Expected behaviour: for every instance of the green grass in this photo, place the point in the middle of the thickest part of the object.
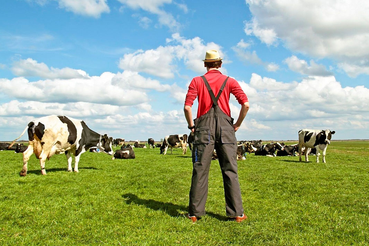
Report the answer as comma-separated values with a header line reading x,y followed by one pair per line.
x,y
144,201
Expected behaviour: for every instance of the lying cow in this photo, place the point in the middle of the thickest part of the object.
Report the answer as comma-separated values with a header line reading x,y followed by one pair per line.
x,y
172,141
320,139
288,150
269,149
125,153
57,134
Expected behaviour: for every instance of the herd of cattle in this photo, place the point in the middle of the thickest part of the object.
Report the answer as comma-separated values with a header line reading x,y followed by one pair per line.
x,y
60,134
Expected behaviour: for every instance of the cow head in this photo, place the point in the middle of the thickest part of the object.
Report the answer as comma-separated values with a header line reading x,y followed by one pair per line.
x,y
106,144
324,137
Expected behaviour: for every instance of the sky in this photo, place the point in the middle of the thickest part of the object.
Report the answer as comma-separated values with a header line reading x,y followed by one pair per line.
x,y
124,66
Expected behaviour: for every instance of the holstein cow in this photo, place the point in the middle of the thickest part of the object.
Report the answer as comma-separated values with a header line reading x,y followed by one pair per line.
x,y
57,134
178,140
125,153
151,142
320,139
269,149
289,150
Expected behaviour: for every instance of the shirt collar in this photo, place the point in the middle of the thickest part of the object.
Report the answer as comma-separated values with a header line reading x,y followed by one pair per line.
x,y
213,71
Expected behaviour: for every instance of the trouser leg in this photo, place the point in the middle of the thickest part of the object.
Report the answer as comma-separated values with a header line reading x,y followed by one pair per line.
x,y
232,192
201,156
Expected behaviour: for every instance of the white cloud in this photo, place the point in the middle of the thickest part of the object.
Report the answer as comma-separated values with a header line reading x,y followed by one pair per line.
x,y
301,66
155,7
161,61
92,8
30,68
336,29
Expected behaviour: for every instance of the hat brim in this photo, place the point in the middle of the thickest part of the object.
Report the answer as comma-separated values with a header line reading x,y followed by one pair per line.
x,y
212,60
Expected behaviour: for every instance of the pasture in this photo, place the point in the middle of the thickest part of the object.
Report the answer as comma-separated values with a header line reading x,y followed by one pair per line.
x,y
144,201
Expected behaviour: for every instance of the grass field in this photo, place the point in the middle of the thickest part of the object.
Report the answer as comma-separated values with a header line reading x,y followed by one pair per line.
x,y
144,201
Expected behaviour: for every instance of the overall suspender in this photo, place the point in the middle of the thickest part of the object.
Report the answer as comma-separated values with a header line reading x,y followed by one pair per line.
x,y
213,98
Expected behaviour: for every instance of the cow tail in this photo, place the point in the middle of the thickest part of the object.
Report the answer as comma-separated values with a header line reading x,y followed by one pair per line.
x,y
18,137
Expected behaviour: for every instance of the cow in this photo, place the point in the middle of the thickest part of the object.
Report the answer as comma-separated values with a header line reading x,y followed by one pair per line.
x,y
137,144
118,141
289,150
269,149
4,146
20,148
243,148
178,140
125,153
151,142
320,139
53,134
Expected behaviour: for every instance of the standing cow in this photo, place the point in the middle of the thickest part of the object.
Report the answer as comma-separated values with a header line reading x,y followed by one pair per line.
x,y
320,139
171,141
56,134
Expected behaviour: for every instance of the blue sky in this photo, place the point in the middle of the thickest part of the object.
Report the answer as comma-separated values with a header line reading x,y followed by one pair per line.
x,y
123,66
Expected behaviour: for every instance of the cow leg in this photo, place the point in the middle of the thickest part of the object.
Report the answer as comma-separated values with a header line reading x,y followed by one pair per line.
x,y
323,154
307,151
42,164
76,161
26,155
300,152
69,159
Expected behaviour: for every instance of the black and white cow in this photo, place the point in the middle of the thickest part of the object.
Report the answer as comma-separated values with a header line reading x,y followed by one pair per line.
x,y
57,134
151,142
269,149
320,139
171,141
289,150
4,146
125,153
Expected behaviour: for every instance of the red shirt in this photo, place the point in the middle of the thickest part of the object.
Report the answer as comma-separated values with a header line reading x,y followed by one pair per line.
x,y
197,88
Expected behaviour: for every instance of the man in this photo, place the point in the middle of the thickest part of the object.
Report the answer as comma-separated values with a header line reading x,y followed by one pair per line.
x,y
214,129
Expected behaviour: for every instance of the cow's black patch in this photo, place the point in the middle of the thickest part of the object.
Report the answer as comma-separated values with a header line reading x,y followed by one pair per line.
x,y
307,136
72,137
35,130
173,140
320,138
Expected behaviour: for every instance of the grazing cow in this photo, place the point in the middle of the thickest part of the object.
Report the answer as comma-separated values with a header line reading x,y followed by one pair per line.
x,y
320,139
172,141
137,144
57,134
269,149
125,153
289,150
151,142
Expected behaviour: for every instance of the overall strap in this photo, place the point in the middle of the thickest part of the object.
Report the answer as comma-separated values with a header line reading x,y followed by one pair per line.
x,y
213,98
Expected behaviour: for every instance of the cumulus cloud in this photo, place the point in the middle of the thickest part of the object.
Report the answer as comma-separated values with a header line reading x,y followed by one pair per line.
x,y
31,68
323,29
120,89
251,57
301,66
161,61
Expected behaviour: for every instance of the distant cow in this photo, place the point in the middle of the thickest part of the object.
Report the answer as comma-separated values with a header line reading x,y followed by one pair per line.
x,y
125,153
320,139
269,149
151,142
57,134
172,141
4,146
20,148
242,148
119,141
289,150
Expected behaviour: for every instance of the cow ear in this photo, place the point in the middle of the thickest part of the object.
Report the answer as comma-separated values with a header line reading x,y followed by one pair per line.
x,y
333,132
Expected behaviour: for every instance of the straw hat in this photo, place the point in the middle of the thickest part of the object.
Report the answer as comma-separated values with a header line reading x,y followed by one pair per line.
x,y
212,56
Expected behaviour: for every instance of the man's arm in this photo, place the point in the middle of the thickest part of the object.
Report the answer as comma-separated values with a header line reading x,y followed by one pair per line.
x,y
188,114
243,112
